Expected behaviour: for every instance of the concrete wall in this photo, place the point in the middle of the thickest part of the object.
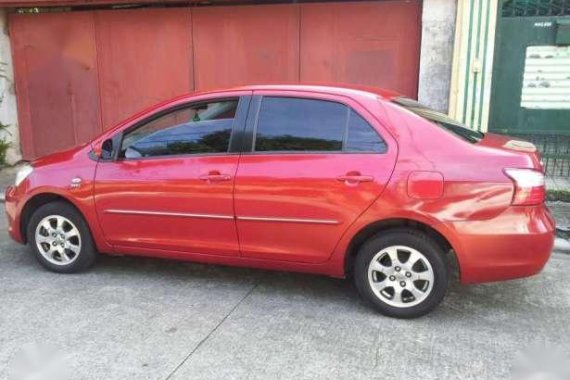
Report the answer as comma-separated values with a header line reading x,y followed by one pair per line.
x,y
8,110
438,29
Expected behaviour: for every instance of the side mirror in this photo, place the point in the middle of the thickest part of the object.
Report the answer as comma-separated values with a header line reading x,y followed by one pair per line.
x,y
107,150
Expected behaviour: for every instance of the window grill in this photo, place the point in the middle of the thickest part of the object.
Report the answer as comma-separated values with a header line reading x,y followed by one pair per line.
x,y
533,8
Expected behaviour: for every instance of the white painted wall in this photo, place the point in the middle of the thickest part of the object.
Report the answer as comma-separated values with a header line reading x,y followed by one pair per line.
x,y
438,30
8,110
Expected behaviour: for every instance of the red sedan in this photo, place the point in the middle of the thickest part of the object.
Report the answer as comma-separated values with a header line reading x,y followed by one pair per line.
x,y
342,181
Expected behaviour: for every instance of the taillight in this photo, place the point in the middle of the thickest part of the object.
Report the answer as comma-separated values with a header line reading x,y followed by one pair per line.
x,y
529,186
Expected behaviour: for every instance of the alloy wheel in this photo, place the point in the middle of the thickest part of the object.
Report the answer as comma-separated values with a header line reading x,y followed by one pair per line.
x,y
400,276
58,240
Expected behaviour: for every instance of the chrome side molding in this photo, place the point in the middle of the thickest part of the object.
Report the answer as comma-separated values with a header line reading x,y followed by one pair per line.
x,y
163,213
225,217
288,220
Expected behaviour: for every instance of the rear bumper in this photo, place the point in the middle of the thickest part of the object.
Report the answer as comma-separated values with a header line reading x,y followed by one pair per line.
x,y
517,243
11,204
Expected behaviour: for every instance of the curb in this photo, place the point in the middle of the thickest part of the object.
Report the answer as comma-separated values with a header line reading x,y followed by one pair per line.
x,y
561,245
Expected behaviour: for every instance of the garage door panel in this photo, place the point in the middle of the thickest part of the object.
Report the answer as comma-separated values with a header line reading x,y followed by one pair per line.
x,y
56,79
78,73
369,63
145,56
373,43
244,45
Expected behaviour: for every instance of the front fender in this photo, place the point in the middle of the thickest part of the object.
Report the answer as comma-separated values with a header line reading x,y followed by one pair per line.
x,y
73,184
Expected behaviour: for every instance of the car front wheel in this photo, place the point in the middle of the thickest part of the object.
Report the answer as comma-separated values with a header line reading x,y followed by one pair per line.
x,y
402,273
60,238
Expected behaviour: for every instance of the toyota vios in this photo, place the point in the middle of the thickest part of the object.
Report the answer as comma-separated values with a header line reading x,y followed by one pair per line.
x,y
342,181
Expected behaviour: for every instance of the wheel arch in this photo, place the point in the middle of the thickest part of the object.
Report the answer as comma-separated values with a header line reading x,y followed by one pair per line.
x,y
394,223
37,201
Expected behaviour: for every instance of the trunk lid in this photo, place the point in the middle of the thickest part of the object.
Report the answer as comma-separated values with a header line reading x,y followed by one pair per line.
x,y
513,144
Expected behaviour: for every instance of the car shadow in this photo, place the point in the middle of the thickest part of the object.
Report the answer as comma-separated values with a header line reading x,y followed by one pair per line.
x,y
474,301
466,302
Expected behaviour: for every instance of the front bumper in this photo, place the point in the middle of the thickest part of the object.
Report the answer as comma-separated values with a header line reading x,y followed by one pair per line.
x,y
517,243
11,204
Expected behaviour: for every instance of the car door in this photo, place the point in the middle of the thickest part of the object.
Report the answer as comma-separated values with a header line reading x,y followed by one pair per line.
x,y
170,186
314,163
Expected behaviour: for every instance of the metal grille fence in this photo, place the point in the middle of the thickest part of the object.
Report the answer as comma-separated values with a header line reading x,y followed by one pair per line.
x,y
530,8
555,152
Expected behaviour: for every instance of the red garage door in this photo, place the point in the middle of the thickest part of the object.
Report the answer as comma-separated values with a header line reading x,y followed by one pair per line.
x,y
55,69
78,73
241,45
373,43
144,56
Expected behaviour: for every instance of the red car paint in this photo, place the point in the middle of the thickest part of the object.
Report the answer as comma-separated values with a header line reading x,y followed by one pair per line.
x,y
427,176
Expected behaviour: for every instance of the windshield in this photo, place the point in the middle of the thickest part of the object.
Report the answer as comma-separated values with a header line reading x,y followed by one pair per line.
x,y
440,119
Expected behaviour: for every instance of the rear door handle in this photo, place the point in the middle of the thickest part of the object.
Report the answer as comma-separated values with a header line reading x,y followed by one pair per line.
x,y
215,177
355,178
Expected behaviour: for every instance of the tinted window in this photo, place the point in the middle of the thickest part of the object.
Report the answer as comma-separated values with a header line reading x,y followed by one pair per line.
x,y
200,128
440,119
293,124
362,137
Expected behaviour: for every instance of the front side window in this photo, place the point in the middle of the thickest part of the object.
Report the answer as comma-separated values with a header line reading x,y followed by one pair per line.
x,y
310,125
198,128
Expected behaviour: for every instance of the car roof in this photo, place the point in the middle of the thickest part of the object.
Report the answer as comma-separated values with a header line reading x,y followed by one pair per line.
x,y
345,89
349,90
335,88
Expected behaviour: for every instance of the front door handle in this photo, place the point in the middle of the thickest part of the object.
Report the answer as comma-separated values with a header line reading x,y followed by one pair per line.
x,y
354,178
215,176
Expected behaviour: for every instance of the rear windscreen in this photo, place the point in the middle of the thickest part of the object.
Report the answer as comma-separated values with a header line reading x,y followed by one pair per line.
x,y
440,119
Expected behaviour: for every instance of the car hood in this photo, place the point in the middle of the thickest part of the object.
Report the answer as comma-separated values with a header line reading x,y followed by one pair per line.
x,y
62,156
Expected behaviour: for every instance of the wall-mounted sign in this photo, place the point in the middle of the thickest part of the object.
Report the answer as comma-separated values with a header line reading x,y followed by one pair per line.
x,y
546,82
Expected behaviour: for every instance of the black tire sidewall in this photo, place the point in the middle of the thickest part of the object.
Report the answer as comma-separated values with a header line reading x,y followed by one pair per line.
x,y
87,254
413,239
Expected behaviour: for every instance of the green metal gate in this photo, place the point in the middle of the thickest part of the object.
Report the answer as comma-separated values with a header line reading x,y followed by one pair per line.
x,y
530,95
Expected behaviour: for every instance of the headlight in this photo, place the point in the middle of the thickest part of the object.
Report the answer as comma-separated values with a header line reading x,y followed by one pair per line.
x,y
23,173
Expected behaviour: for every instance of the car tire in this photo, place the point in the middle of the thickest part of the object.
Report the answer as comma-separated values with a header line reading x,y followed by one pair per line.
x,y
60,238
402,273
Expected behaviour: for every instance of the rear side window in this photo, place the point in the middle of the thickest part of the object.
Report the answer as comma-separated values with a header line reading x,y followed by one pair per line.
x,y
310,125
362,137
294,124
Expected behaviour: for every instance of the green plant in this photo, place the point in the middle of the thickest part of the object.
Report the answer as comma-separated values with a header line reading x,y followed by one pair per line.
x,y
4,145
558,195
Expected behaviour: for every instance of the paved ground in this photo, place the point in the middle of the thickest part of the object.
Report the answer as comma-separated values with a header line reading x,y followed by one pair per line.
x,y
561,211
133,318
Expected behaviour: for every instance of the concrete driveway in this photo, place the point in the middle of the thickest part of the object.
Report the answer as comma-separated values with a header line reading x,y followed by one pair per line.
x,y
133,318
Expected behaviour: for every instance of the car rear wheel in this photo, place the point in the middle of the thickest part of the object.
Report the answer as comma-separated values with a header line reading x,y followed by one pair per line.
x,y
402,273
60,238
